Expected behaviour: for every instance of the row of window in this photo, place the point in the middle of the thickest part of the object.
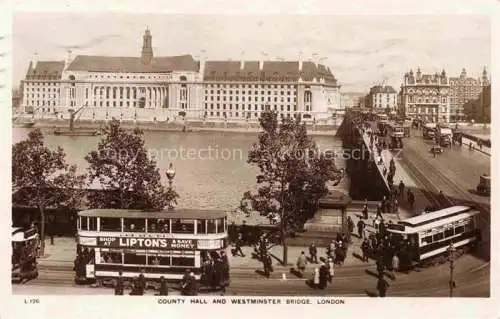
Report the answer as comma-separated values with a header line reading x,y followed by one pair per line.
x,y
450,232
424,110
262,99
179,226
254,86
249,107
250,92
243,115
140,77
120,258
411,99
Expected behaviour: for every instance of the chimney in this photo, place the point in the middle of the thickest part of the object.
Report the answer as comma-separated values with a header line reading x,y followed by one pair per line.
x,y
242,62
202,63
68,60
34,62
261,65
300,61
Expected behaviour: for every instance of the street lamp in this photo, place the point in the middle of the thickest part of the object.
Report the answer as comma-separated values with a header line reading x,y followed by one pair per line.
x,y
170,175
451,255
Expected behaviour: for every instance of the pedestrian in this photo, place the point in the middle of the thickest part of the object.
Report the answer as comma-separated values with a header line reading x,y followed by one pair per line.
x,y
142,281
402,189
382,285
350,224
316,278
323,274
239,243
301,263
119,285
365,211
395,263
380,210
331,269
313,252
163,290
365,246
361,227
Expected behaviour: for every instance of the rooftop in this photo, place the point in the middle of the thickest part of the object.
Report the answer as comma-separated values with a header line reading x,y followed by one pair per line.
x,y
133,64
271,71
46,70
382,89
167,214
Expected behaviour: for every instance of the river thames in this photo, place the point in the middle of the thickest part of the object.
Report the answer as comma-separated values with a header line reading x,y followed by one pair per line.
x,y
211,167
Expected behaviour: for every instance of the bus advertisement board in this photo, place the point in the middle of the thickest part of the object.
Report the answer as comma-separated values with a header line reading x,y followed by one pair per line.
x,y
165,243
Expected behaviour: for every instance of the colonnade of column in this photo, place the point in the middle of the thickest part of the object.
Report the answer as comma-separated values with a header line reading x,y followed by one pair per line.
x,y
127,96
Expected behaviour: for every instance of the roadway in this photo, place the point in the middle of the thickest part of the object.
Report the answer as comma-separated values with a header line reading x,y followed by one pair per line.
x,y
471,276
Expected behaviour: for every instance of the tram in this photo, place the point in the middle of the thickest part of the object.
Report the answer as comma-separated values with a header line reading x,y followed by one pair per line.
x,y
153,243
429,235
396,133
24,253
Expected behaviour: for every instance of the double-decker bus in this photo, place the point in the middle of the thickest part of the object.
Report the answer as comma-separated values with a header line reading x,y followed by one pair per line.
x,y
429,235
155,243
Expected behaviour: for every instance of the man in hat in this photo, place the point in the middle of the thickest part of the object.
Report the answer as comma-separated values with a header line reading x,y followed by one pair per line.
x,y
163,290
323,273
301,263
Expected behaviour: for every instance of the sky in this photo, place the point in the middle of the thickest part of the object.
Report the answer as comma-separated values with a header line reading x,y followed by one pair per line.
x,y
361,50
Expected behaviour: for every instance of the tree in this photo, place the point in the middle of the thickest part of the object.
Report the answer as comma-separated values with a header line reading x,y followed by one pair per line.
x,y
293,174
129,178
42,178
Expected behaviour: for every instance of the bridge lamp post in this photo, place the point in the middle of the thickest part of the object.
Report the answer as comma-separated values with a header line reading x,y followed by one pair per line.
x,y
170,175
451,251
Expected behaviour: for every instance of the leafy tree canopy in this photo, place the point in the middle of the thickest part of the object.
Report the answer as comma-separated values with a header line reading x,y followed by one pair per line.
x,y
41,177
123,169
293,172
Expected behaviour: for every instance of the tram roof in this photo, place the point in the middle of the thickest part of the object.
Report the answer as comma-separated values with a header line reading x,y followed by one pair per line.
x,y
442,222
165,214
434,216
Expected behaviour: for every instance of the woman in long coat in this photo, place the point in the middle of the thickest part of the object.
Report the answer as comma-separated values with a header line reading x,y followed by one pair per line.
x,y
316,278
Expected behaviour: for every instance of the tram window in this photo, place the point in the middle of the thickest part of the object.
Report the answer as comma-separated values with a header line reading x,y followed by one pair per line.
x,y
134,225
133,259
154,226
158,261
438,236
111,258
83,223
427,240
468,227
448,232
111,224
220,225
92,223
459,230
201,226
184,226
116,257
183,261
211,227
164,225
153,260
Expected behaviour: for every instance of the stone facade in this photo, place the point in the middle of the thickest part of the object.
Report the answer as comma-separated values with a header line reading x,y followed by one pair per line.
x,y
160,88
426,96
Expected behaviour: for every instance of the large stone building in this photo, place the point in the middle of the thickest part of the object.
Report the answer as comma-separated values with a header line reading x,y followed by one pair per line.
x,y
464,89
426,96
382,98
161,88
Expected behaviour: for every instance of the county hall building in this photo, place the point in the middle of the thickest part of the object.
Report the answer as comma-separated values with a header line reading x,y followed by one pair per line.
x,y
159,88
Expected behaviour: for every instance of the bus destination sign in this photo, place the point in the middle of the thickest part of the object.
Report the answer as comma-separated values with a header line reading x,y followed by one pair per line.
x,y
165,243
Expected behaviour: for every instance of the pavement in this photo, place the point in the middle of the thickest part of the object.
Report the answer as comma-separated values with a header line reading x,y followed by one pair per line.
x,y
483,149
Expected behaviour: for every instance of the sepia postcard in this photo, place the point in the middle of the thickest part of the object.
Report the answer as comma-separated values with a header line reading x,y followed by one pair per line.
x,y
289,161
